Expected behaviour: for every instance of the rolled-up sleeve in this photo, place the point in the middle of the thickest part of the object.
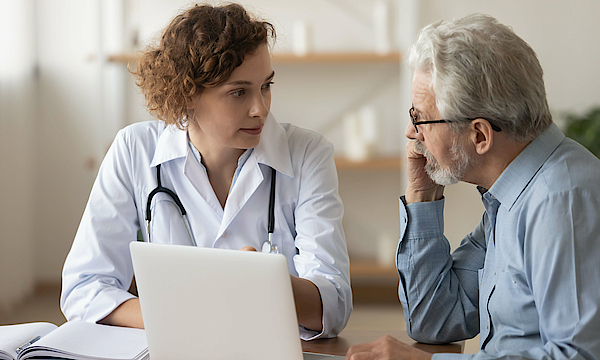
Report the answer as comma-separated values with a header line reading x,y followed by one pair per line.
x,y
323,255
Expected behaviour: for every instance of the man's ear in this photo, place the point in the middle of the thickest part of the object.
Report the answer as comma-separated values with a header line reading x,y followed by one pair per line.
x,y
481,135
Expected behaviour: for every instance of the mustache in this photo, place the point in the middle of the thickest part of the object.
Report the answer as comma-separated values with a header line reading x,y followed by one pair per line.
x,y
421,149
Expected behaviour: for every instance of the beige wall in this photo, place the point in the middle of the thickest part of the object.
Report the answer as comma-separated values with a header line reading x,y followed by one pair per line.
x,y
17,148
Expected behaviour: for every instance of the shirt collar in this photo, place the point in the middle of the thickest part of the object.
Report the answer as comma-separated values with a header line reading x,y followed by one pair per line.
x,y
514,179
273,149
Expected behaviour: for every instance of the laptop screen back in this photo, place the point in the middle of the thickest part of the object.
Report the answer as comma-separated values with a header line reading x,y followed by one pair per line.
x,y
203,303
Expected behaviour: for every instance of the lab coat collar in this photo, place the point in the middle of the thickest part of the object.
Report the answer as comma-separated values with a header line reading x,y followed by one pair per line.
x,y
172,144
274,149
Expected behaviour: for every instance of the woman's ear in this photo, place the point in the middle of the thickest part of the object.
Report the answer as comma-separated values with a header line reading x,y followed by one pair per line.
x,y
191,105
191,102
482,135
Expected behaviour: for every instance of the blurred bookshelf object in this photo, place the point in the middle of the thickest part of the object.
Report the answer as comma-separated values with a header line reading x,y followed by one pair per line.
x,y
310,58
373,283
375,163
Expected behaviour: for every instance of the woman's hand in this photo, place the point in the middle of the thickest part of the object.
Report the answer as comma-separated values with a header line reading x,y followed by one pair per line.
x,y
248,248
307,297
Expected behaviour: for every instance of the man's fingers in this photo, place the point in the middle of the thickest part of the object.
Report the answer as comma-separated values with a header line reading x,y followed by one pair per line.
x,y
361,348
248,248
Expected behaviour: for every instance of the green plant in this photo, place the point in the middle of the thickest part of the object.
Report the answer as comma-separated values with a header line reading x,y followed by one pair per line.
x,y
585,129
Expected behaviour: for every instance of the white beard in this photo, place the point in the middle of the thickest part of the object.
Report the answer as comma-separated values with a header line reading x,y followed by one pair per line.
x,y
460,163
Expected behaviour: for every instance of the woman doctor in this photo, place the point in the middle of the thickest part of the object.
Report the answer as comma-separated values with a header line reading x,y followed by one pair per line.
x,y
209,82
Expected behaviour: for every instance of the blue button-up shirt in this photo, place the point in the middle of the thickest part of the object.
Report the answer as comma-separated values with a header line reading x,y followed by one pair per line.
x,y
528,277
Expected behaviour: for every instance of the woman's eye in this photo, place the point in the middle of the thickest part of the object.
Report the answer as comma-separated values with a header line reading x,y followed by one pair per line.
x,y
267,86
238,93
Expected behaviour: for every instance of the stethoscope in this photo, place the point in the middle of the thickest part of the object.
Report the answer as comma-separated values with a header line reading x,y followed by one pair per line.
x,y
267,246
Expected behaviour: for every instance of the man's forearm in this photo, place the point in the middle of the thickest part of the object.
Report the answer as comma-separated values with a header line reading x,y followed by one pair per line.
x,y
437,298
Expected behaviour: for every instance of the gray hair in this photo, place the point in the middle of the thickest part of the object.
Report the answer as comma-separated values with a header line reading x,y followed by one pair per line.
x,y
481,68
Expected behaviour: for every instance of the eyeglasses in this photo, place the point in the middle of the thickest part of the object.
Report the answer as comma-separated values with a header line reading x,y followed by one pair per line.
x,y
413,118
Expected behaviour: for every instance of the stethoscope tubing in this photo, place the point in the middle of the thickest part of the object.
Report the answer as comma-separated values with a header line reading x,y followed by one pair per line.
x,y
159,188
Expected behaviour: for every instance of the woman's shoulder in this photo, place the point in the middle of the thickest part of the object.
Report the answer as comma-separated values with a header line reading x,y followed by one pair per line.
x,y
142,131
138,140
301,138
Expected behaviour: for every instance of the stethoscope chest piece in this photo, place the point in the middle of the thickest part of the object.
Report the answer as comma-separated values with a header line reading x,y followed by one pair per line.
x,y
269,247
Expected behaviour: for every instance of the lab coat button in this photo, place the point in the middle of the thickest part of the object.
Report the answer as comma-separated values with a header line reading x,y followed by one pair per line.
x,y
225,234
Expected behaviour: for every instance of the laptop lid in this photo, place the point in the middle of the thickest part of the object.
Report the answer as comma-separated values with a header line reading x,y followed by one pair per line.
x,y
204,303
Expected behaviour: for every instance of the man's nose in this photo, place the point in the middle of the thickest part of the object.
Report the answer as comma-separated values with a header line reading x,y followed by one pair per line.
x,y
410,131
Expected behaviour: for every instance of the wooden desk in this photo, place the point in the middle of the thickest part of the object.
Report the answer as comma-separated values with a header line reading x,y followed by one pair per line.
x,y
348,338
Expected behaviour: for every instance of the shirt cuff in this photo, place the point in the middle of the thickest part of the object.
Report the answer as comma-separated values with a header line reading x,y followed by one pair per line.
x,y
422,219
446,356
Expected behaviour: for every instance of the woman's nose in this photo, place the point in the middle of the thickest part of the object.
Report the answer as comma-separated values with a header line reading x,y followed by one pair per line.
x,y
260,107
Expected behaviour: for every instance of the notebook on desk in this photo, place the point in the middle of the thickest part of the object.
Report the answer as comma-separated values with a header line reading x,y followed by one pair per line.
x,y
202,303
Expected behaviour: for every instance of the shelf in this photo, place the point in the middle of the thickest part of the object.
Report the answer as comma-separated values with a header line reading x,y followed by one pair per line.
x,y
322,58
124,58
381,163
361,269
318,58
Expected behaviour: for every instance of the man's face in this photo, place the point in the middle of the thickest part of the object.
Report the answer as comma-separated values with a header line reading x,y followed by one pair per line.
x,y
448,159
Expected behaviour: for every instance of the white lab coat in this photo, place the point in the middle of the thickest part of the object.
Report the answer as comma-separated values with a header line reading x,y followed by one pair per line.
x,y
308,215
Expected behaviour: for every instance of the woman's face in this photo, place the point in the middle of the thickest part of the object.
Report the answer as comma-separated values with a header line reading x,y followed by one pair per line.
x,y
233,113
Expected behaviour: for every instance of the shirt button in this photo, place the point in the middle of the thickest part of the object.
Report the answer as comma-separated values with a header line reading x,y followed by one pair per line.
x,y
225,234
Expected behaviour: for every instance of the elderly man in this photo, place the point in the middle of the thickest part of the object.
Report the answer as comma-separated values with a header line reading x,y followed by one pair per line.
x,y
528,277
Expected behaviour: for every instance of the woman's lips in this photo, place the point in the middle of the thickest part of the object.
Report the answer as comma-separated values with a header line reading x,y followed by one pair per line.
x,y
252,131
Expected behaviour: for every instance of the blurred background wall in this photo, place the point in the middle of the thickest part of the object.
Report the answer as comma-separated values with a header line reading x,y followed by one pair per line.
x,y
62,101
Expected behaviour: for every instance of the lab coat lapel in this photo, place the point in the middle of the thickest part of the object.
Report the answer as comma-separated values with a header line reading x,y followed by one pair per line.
x,y
248,181
199,180
273,150
173,144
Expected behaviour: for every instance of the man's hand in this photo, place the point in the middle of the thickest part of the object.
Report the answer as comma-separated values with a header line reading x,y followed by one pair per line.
x,y
386,348
420,186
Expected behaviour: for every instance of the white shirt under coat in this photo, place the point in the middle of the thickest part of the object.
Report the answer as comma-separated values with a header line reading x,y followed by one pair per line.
x,y
308,215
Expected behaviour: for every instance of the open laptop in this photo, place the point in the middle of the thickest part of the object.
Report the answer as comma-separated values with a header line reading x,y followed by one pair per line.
x,y
203,303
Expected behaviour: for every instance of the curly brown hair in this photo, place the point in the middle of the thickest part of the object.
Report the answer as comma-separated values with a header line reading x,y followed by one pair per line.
x,y
200,48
